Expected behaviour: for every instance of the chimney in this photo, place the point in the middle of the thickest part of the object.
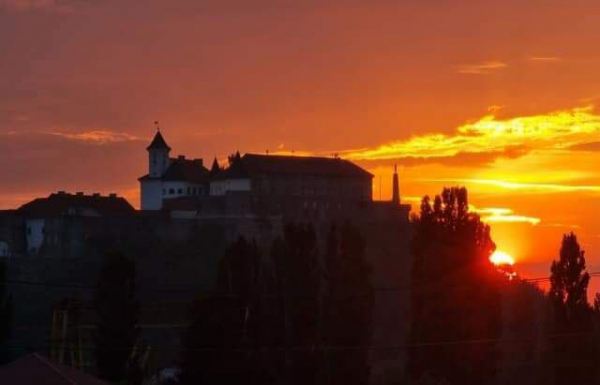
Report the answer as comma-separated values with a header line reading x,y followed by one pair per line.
x,y
181,157
79,193
112,196
396,188
199,162
62,192
96,195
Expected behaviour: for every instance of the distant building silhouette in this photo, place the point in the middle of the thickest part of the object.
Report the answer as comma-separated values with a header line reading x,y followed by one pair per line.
x,y
294,187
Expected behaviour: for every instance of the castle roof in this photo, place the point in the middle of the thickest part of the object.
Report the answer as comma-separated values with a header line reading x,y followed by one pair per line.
x,y
158,143
188,170
254,164
62,203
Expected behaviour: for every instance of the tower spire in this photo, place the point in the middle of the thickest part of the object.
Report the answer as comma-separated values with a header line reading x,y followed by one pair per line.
x,y
396,187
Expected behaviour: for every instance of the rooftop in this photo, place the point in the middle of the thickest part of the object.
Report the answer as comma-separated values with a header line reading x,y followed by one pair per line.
x,y
253,164
158,142
62,203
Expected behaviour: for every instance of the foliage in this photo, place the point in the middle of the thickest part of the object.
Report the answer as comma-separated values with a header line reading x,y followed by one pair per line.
x,y
348,306
574,353
267,315
117,313
219,338
455,292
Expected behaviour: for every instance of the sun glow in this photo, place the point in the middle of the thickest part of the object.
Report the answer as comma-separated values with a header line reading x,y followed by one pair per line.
x,y
502,258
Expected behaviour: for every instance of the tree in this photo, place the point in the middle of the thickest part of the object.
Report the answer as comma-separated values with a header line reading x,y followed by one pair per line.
x,y
117,313
455,294
348,307
6,313
301,303
220,340
575,354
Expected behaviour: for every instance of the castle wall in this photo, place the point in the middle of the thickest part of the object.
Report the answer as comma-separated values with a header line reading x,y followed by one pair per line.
x,y
151,194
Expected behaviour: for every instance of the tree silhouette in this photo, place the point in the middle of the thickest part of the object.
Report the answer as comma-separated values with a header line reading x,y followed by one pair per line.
x,y
348,307
117,313
455,292
575,354
6,313
220,342
301,303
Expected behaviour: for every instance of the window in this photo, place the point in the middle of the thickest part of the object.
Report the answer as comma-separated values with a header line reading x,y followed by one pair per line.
x,y
171,191
189,191
180,191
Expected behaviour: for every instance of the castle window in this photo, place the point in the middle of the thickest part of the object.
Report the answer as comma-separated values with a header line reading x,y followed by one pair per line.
x,y
171,191
180,191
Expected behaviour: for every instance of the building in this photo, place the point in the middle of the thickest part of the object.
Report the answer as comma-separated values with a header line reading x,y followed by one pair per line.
x,y
189,215
295,187
170,178
44,217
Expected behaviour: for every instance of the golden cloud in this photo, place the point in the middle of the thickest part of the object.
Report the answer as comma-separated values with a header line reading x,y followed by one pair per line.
x,y
545,58
540,187
481,68
98,136
503,215
490,137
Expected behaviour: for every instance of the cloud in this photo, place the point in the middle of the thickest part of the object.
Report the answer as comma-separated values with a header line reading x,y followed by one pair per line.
x,y
56,6
42,163
28,5
99,137
561,225
588,146
536,187
481,68
503,215
489,138
547,59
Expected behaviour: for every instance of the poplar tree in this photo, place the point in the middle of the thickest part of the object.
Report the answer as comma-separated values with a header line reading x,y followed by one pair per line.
x,y
574,350
117,313
455,293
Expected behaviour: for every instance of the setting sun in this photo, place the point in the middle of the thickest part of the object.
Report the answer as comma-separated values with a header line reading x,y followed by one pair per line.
x,y
502,258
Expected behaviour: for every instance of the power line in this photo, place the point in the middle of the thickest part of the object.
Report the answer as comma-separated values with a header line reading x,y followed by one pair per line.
x,y
424,344
198,290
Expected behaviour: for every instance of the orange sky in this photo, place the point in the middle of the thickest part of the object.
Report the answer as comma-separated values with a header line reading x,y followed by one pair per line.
x,y
499,96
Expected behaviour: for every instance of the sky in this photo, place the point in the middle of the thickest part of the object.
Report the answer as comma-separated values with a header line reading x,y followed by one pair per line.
x,y
502,97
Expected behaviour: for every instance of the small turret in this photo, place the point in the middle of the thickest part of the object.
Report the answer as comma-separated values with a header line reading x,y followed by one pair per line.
x,y
215,168
396,188
158,155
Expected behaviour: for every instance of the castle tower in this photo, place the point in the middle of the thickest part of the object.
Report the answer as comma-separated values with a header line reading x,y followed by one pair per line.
x,y
396,188
158,156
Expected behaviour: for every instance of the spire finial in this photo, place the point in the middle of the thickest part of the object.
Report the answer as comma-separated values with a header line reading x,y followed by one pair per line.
x,y
157,126
395,187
